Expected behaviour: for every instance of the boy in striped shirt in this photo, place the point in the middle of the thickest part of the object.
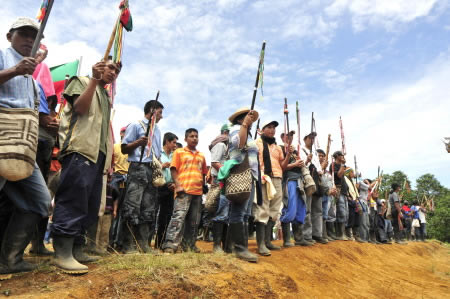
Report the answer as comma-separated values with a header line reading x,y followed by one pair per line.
x,y
188,169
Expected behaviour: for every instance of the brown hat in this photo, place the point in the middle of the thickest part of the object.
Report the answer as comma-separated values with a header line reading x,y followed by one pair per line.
x,y
239,112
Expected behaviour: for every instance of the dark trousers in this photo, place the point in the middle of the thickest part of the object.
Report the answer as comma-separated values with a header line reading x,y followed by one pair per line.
x,y
77,200
44,156
165,203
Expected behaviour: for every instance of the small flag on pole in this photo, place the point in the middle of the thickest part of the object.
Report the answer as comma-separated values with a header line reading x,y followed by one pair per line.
x,y
42,11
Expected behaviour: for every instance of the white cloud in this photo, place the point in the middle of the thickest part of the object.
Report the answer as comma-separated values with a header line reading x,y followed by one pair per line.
x,y
386,13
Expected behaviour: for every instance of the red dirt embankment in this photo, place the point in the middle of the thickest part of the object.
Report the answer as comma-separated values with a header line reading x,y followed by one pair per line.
x,y
337,270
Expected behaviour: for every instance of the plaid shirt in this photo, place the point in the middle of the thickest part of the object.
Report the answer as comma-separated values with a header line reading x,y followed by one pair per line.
x,y
17,92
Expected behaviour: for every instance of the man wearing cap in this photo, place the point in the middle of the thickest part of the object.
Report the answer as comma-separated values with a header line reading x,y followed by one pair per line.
x,y
141,200
272,162
29,197
341,201
312,229
219,150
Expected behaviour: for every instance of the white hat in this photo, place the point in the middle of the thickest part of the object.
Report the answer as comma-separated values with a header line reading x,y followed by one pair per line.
x,y
24,22
272,122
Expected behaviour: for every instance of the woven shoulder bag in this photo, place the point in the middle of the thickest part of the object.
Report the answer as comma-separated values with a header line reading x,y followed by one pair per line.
x,y
238,184
18,140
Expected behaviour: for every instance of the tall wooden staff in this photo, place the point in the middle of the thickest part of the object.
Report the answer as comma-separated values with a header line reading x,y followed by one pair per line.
x,y
297,112
344,152
37,41
356,170
258,74
150,127
328,150
286,122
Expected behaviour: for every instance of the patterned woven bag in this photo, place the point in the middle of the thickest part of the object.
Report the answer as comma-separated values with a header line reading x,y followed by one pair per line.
x,y
238,184
157,173
212,198
18,140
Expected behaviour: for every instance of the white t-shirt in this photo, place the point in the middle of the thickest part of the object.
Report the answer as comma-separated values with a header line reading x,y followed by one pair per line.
x,y
422,216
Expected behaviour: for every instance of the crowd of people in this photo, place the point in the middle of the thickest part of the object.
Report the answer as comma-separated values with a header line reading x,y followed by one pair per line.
x,y
149,193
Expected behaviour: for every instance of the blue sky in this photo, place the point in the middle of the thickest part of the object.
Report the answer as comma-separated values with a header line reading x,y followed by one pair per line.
x,y
383,65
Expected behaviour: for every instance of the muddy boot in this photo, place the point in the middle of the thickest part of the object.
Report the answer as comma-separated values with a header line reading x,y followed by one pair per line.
x,y
357,237
241,251
331,235
37,243
142,237
246,234
297,228
398,238
286,229
260,239
81,256
224,236
17,236
217,228
373,238
268,236
324,232
91,238
229,245
349,234
342,231
64,258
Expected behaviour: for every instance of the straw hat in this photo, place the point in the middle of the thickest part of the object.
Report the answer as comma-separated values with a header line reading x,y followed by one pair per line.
x,y
239,112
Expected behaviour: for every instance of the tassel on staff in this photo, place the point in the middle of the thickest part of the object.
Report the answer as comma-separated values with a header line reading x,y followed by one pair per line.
x,y
259,75
44,13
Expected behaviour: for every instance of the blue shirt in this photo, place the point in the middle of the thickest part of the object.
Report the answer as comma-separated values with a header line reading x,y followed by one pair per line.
x,y
166,171
17,92
134,132
239,154
43,107
415,210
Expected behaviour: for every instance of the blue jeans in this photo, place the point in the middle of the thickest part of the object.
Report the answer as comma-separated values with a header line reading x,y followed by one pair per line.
x,y
77,200
222,210
342,209
240,212
30,194
296,208
325,206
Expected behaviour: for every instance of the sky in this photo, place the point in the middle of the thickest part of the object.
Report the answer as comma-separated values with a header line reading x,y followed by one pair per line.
x,y
382,65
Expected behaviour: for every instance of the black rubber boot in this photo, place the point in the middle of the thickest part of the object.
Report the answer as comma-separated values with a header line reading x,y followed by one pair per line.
x,y
297,228
129,239
81,256
217,236
331,234
91,237
224,236
241,251
246,234
349,234
17,236
286,229
260,239
356,234
64,257
373,238
37,243
340,233
268,238
142,237
229,245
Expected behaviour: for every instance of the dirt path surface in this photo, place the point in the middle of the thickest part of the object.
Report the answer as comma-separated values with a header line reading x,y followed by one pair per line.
x,y
337,270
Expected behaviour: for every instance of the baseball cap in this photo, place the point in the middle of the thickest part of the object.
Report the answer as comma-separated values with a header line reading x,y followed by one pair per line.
x,y
24,22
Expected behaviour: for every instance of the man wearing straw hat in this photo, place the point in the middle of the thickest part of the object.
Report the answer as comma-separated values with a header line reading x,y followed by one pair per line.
x,y
29,197
86,151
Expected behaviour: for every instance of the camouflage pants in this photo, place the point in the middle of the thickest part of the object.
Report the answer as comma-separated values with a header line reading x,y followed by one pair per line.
x,y
184,222
141,198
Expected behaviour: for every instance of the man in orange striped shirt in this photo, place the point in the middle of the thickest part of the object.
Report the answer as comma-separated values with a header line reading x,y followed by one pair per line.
x,y
188,169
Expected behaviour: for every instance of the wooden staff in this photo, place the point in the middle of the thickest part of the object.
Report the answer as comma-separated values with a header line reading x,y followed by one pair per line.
x,y
37,41
256,130
328,150
111,39
261,61
297,111
356,170
148,126
344,152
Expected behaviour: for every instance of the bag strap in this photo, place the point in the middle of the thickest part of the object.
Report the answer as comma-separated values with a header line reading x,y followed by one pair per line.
x,y
36,96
